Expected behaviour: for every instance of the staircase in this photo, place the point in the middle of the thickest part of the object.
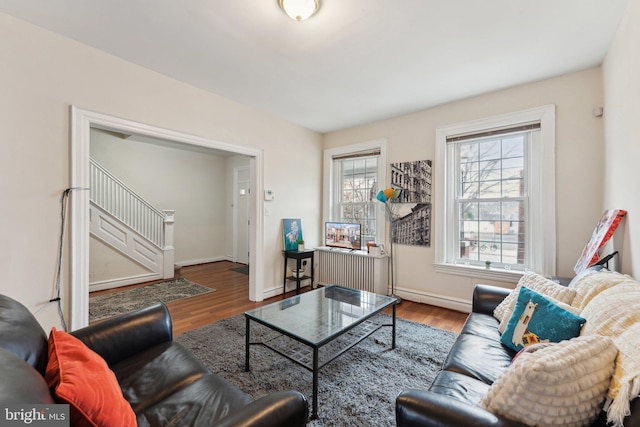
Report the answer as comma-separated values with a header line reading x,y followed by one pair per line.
x,y
126,222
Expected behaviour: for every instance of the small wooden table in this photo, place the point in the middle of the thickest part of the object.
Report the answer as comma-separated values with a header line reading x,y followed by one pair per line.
x,y
298,256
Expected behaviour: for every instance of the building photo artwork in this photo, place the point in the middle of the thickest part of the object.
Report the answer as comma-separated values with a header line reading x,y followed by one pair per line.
x,y
413,224
412,208
414,179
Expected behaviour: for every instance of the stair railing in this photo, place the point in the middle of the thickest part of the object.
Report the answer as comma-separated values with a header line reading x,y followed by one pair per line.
x,y
118,200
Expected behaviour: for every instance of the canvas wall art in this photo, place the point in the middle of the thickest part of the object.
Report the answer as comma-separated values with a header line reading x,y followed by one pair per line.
x,y
602,233
414,179
291,233
412,226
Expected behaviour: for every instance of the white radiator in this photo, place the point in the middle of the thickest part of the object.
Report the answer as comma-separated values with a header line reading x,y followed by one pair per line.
x,y
357,270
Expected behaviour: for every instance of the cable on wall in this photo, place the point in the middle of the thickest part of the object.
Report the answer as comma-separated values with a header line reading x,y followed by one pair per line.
x,y
63,214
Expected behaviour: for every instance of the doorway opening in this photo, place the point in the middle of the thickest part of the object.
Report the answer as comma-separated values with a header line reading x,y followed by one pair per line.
x,y
82,121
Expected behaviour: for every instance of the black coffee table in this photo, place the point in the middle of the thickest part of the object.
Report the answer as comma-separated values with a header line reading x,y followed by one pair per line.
x,y
315,328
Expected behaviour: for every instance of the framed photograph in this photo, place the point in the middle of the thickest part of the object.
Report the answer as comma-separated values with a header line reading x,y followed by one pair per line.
x,y
414,179
603,232
291,233
413,224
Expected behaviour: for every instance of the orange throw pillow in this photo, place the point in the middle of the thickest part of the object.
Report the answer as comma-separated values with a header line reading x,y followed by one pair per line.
x,y
80,377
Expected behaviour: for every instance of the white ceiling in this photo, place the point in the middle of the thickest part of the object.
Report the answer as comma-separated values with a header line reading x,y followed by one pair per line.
x,y
353,62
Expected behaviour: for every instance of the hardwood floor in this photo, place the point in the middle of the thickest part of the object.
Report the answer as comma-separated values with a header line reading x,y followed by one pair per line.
x,y
232,297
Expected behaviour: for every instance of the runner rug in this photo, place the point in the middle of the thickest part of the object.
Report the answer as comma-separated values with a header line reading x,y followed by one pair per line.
x,y
357,389
109,305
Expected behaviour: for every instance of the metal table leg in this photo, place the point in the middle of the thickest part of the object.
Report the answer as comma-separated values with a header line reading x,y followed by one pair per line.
x,y
393,328
246,356
284,277
314,409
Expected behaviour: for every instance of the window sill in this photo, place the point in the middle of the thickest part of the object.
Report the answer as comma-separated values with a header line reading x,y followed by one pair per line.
x,y
497,274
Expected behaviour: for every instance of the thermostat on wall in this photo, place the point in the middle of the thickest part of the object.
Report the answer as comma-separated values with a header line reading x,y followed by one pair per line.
x,y
268,194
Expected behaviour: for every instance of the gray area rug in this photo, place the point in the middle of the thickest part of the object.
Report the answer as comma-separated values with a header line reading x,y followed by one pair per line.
x,y
109,305
357,389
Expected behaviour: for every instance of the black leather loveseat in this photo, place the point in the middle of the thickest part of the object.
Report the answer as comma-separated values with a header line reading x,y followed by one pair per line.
x,y
162,381
475,361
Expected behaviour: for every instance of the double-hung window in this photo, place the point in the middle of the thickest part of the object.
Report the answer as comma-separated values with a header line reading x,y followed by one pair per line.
x,y
496,204
353,175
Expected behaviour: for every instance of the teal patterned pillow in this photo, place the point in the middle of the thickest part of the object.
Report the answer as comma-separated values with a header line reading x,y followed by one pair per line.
x,y
536,319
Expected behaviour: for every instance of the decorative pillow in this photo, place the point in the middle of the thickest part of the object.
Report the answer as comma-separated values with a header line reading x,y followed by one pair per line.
x,y
538,283
615,313
80,377
536,319
559,384
505,321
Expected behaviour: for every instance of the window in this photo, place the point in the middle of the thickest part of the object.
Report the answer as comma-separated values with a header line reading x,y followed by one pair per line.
x,y
497,189
356,192
353,176
491,199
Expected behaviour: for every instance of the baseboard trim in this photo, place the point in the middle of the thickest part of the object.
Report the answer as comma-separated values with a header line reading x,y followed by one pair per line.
x,y
272,292
443,301
291,286
123,281
202,261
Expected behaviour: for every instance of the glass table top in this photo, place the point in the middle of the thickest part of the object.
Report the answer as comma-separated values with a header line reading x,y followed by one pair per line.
x,y
321,314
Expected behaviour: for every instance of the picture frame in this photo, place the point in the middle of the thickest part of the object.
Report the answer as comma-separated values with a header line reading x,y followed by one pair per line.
x,y
413,179
291,233
412,226
602,233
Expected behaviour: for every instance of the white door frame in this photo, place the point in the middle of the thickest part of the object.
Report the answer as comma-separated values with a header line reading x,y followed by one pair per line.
x,y
81,123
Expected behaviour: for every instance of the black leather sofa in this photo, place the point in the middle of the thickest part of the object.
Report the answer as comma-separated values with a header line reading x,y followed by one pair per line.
x,y
475,361
163,382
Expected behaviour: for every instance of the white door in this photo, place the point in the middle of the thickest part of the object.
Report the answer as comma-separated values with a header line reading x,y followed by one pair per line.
x,y
242,218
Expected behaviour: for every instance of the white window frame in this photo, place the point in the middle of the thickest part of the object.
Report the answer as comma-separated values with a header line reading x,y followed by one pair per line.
x,y
540,241
330,183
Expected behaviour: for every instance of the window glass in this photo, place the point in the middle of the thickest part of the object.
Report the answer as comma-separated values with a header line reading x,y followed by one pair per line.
x,y
491,199
359,177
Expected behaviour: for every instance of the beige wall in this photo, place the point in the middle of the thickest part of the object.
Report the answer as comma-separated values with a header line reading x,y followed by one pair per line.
x,y
578,168
44,75
621,76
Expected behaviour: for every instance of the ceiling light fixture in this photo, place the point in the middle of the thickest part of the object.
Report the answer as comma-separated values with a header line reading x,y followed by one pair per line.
x,y
299,9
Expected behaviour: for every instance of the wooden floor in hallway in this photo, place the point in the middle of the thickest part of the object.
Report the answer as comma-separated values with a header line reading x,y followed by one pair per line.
x,y
232,297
